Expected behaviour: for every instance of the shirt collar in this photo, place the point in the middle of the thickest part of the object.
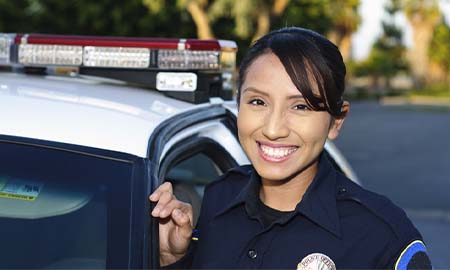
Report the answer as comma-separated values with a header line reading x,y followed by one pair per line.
x,y
318,203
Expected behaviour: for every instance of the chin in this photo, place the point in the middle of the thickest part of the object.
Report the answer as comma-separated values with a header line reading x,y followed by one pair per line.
x,y
275,172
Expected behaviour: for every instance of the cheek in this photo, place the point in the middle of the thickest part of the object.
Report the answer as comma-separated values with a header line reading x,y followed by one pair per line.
x,y
248,123
311,129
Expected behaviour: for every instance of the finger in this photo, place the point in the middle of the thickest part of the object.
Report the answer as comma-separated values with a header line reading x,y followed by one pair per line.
x,y
182,220
164,199
164,187
169,207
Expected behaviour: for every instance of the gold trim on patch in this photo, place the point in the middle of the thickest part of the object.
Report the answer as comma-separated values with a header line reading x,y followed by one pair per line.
x,y
316,261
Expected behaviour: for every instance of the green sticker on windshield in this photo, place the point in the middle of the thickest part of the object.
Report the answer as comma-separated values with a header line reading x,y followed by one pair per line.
x,y
19,189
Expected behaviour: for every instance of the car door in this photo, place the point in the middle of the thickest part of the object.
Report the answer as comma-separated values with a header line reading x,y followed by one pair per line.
x,y
68,206
191,150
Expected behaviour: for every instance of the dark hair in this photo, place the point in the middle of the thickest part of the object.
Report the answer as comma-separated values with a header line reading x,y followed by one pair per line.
x,y
313,63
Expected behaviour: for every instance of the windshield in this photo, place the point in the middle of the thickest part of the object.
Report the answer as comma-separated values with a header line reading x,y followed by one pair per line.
x,y
57,208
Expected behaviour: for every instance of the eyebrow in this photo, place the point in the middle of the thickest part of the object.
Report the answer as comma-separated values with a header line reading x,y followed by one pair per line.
x,y
299,96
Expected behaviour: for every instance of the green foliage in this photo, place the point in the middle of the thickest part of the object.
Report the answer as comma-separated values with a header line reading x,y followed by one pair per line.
x,y
387,56
101,17
425,9
440,46
344,14
313,14
13,15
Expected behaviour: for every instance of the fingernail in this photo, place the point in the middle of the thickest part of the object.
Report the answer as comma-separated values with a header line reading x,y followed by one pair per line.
x,y
177,212
163,212
155,211
153,196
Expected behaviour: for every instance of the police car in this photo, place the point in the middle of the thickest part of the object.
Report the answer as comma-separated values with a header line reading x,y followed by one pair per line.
x,y
89,126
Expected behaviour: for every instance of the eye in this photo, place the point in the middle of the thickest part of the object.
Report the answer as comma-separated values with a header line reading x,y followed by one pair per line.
x,y
301,107
256,102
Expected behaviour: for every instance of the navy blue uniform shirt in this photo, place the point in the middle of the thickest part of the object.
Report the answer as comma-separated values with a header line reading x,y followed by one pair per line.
x,y
337,225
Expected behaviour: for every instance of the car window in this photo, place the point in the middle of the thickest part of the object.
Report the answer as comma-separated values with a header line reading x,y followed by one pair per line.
x,y
58,209
189,178
194,163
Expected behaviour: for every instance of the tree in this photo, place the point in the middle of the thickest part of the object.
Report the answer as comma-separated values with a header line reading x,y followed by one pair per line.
x,y
84,17
439,51
252,18
346,19
388,54
423,15
12,15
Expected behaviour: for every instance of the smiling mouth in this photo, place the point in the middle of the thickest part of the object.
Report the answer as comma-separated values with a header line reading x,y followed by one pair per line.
x,y
276,153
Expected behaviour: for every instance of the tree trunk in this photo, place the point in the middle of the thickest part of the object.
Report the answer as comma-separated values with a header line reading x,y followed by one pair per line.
x,y
263,23
200,19
279,6
345,47
343,41
418,55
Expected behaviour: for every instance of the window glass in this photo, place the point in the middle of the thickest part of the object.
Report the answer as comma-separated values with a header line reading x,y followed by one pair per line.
x,y
57,209
189,178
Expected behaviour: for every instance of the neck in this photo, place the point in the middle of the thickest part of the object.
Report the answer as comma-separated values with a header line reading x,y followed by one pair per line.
x,y
284,195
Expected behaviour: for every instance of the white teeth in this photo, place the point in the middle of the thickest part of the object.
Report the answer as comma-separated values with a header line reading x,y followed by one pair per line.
x,y
277,152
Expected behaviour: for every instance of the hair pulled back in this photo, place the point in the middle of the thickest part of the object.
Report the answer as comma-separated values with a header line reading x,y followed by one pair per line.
x,y
313,63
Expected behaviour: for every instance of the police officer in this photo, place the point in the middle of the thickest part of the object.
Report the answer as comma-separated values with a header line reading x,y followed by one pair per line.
x,y
290,208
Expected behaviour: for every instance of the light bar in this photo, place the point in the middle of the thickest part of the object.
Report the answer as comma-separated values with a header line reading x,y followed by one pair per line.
x,y
186,59
36,54
5,45
41,50
116,57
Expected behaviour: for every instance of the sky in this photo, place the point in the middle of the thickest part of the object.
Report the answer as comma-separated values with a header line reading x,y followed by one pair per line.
x,y
372,11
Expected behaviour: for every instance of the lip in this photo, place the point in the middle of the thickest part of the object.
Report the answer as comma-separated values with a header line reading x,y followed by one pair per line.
x,y
276,145
275,159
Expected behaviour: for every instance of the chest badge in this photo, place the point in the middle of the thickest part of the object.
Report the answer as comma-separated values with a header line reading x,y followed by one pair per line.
x,y
316,261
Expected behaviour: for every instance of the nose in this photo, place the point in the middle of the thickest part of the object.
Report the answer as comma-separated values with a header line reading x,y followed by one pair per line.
x,y
275,126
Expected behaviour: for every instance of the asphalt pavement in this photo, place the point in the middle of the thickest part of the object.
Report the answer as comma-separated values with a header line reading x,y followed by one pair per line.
x,y
403,152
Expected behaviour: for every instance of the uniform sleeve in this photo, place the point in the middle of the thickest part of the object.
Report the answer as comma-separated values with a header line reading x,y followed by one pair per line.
x,y
406,249
412,255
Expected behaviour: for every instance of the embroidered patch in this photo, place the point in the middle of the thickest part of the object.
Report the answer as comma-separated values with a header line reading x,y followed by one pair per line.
x,y
414,256
316,261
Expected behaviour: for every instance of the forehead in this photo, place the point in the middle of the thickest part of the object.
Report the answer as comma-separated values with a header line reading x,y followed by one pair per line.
x,y
267,73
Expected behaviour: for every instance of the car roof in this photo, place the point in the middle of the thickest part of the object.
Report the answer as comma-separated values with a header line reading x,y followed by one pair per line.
x,y
83,111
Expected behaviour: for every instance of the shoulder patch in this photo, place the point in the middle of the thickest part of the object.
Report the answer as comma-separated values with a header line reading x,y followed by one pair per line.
x,y
414,256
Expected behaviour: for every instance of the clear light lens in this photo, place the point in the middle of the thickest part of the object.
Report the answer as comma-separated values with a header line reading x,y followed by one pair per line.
x,y
119,57
5,45
176,81
228,68
37,54
185,59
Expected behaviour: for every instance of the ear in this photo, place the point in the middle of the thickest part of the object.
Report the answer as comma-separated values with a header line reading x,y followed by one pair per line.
x,y
336,123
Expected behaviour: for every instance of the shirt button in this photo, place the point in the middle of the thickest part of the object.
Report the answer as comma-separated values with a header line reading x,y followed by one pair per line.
x,y
252,254
342,191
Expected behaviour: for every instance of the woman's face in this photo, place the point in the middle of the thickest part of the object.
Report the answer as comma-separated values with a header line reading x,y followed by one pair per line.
x,y
280,135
